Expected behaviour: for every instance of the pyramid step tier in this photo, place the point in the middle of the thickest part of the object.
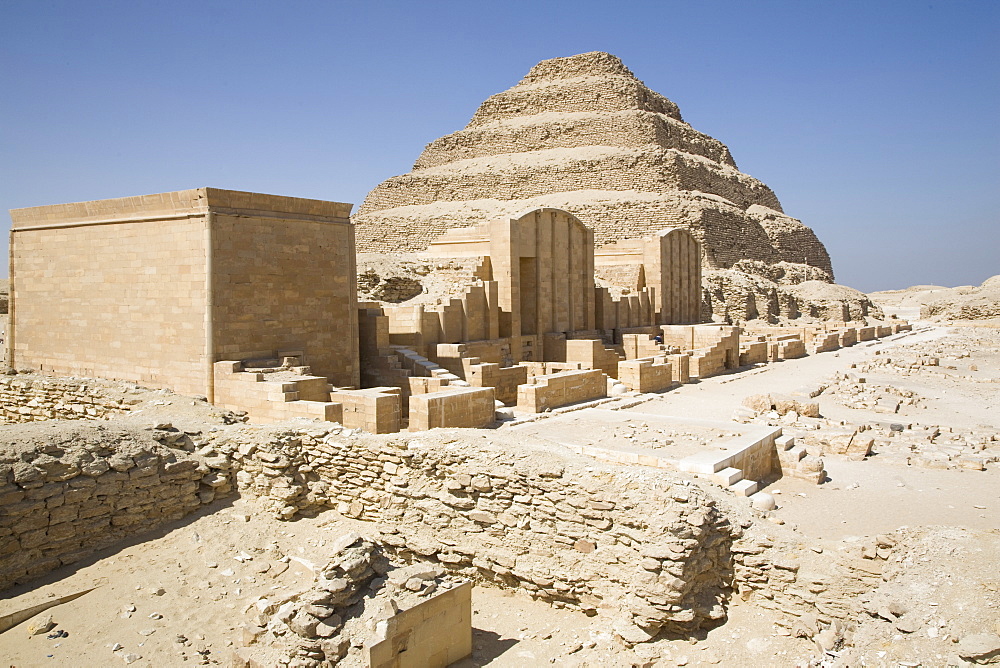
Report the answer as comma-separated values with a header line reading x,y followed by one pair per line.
x,y
521,175
625,129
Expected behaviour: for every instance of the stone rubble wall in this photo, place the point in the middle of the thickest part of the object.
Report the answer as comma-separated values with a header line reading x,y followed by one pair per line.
x,y
66,492
573,533
779,575
571,536
31,398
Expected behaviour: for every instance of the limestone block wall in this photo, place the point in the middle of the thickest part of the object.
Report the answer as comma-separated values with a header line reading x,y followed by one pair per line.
x,y
668,263
639,346
120,300
713,349
453,407
693,337
630,311
457,356
380,366
377,410
754,453
791,347
552,526
848,337
155,289
592,354
472,317
680,367
503,380
30,398
541,268
64,495
539,369
825,342
753,352
407,324
646,375
561,389
435,633
284,279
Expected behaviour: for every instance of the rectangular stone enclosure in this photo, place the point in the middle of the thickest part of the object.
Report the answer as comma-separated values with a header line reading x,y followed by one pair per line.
x,y
155,289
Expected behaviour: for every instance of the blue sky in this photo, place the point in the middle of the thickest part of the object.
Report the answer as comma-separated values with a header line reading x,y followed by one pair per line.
x,y
876,123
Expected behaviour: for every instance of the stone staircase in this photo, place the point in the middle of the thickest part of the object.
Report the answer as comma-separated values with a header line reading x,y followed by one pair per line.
x,y
415,364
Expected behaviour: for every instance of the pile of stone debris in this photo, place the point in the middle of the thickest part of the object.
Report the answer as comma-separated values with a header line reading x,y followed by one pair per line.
x,y
345,609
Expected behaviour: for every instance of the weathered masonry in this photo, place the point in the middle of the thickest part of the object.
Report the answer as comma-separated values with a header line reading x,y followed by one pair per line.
x,y
157,288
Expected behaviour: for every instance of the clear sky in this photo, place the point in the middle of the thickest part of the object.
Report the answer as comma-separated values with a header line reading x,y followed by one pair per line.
x,y
877,123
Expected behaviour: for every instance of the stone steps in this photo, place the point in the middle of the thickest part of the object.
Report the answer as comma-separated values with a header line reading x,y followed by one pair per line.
x,y
745,488
728,477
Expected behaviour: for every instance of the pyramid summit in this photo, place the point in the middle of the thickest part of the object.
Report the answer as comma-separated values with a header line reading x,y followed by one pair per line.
x,y
589,82
583,134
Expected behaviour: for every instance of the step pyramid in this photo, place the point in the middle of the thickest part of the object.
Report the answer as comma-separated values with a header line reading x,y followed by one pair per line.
x,y
584,134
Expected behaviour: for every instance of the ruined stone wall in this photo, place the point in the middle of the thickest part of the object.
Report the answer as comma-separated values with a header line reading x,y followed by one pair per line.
x,y
780,573
533,521
31,398
571,531
68,491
